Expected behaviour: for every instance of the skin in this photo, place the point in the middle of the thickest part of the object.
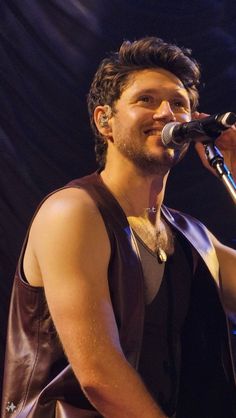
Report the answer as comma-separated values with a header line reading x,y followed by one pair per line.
x,y
225,142
68,249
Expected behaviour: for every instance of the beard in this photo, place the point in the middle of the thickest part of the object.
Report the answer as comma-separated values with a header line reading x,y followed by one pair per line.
x,y
146,161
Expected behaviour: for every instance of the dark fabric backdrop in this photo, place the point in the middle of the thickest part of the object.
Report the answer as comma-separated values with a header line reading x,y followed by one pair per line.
x,y
49,50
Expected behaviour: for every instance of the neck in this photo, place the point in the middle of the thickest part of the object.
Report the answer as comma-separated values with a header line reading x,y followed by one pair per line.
x,y
139,195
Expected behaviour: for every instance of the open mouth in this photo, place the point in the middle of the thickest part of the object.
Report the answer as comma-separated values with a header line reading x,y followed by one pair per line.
x,y
155,132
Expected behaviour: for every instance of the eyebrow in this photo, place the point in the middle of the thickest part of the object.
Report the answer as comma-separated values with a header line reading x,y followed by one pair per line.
x,y
176,93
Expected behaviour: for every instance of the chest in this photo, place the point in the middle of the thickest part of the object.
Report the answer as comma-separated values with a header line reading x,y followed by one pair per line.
x,y
170,282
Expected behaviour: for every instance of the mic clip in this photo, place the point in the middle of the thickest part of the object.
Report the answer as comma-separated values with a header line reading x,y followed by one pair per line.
x,y
216,160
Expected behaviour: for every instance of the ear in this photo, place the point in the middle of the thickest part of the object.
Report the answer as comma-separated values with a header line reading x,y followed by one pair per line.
x,y
102,116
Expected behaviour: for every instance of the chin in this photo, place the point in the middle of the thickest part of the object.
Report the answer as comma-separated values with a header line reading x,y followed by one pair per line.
x,y
154,165
163,156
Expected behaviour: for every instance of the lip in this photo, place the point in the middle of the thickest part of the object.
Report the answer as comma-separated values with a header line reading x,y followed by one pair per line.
x,y
155,133
153,130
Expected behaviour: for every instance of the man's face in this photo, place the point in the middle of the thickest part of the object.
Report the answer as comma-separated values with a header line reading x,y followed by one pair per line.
x,y
151,99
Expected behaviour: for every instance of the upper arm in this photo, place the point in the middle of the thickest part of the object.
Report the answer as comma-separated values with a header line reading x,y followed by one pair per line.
x,y
227,264
72,249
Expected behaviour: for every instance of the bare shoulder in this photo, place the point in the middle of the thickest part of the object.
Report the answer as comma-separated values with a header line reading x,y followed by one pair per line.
x,y
67,201
219,245
66,208
69,228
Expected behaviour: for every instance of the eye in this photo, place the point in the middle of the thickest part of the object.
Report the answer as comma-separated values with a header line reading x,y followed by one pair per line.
x,y
146,99
178,104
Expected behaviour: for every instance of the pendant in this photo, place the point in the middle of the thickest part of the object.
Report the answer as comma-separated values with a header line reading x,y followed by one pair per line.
x,y
161,255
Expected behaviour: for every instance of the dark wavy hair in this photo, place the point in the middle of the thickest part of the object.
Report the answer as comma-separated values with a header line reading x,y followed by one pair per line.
x,y
112,76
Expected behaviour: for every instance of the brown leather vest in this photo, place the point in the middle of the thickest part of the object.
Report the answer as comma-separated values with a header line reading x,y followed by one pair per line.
x,y
39,382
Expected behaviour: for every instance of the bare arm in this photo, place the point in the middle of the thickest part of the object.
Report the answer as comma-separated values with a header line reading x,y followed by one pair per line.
x,y
226,255
69,241
227,262
226,142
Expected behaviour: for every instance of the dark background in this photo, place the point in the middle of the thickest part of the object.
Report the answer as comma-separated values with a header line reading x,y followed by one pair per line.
x,y
49,50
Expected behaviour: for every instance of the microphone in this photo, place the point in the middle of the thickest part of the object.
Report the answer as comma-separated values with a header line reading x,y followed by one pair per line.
x,y
176,134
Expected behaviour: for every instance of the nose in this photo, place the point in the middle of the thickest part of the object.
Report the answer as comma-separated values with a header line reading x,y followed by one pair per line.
x,y
164,112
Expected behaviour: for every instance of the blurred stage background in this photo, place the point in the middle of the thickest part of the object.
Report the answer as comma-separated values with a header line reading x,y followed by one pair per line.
x,y
49,50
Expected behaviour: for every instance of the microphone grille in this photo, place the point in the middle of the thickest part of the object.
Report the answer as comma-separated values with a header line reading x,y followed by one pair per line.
x,y
166,133
228,119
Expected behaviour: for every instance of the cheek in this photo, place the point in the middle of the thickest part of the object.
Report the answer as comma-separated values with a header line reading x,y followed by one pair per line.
x,y
138,115
124,123
182,118
130,123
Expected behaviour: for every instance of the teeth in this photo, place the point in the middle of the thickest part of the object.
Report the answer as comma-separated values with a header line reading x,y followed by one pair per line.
x,y
152,132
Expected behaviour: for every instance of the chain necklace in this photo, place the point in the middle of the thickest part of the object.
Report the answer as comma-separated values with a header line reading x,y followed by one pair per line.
x,y
157,241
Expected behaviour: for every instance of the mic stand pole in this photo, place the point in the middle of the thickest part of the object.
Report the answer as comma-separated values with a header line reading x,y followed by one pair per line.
x,y
216,160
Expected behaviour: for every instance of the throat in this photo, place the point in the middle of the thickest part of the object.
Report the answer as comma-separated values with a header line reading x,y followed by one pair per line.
x,y
138,196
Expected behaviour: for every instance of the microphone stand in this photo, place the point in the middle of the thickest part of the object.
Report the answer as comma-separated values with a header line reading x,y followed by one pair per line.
x,y
216,160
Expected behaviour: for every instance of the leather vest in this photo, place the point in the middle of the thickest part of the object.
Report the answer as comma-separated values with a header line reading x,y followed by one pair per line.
x,y
39,382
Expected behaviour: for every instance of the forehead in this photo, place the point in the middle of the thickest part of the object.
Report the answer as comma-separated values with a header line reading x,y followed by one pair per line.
x,y
154,79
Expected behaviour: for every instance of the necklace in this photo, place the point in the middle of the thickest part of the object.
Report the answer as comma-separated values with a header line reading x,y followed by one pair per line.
x,y
161,255
157,241
119,194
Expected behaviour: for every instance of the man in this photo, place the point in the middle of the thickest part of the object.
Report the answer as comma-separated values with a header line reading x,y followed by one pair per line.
x,y
116,297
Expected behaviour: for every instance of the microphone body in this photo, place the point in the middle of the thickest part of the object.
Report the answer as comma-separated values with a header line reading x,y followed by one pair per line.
x,y
175,134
